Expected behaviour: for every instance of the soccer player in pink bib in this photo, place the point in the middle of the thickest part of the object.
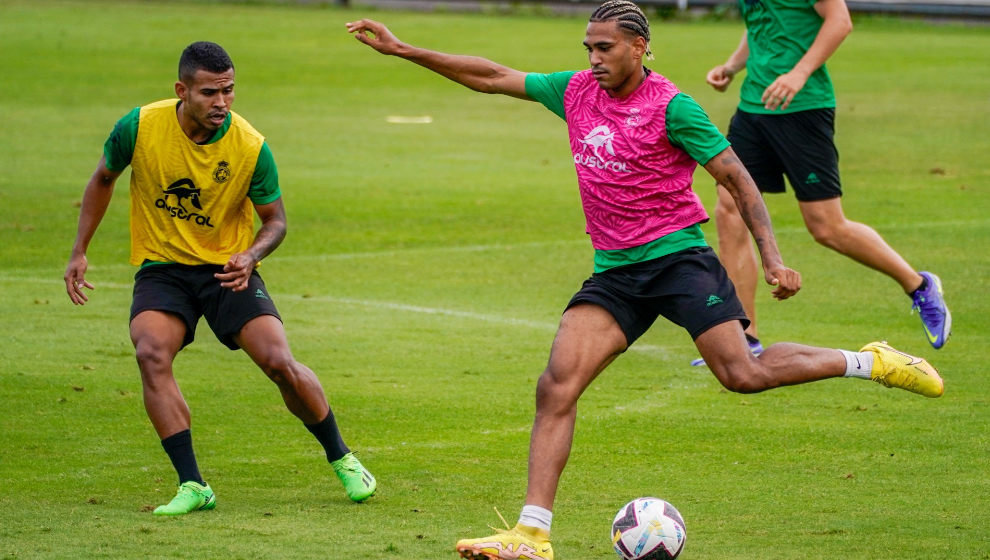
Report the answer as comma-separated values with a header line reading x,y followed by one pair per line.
x,y
635,141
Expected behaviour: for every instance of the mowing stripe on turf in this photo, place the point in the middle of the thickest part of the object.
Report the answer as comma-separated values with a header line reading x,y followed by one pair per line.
x,y
441,249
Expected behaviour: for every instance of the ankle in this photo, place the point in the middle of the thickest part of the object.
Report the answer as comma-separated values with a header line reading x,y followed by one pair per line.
x,y
535,517
535,532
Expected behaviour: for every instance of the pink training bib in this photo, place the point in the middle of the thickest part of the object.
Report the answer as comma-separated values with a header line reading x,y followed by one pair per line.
x,y
635,185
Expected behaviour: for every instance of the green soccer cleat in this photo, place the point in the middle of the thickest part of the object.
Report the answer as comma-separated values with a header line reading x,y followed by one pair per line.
x,y
358,482
190,497
893,368
520,542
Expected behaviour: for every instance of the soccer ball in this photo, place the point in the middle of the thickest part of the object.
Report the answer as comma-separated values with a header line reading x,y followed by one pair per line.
x,y
648,529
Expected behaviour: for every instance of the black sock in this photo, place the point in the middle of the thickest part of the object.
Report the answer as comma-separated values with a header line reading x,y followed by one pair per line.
x,y
924,284
751,339
327,433
180,450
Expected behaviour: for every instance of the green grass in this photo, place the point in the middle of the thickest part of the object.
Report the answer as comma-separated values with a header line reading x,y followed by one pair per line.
x,y
422,278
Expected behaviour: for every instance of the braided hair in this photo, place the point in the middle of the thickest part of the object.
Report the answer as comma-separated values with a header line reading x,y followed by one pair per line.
x,y
629,17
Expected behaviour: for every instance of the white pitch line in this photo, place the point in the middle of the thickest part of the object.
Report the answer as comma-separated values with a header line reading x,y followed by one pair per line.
x,y
660,351
483,317
408,308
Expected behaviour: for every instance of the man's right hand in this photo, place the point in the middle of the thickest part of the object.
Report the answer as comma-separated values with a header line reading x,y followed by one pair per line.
x,y
719,77
75,279
375,35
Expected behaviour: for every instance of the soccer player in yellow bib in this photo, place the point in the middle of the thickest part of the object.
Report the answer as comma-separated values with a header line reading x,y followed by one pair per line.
x,y
199,172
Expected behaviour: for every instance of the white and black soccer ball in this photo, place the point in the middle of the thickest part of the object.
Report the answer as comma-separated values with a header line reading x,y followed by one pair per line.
x,y
648,529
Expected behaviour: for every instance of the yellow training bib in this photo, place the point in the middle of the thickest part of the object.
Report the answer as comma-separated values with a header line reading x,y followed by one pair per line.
x,y
189,202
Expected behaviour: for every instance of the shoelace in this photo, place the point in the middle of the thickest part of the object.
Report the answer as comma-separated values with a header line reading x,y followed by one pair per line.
x,y
185,491
504,522
889,369
927,307
350,466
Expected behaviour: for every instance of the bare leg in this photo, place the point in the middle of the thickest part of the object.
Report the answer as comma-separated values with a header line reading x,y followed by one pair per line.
x,y
735,250
157,338
587,340
725,351
263,338
829,226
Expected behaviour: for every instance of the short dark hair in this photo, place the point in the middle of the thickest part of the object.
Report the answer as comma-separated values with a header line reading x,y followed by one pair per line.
x,y
629,17
203,55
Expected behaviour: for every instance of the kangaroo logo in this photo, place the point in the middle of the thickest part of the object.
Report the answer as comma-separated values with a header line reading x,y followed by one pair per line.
x,y
184,188
598,137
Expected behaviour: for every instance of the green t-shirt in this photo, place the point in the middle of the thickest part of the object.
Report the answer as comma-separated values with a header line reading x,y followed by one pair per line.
x,y
779,33
119,149
688,127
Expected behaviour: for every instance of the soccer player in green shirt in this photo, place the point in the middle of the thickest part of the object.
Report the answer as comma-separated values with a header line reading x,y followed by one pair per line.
x,y
784,126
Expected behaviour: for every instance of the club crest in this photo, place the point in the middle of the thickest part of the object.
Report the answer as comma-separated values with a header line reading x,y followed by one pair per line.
x,y
222,172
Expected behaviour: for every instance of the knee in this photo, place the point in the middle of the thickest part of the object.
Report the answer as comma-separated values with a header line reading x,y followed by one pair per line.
x,y
746,380
151,356
828,235
554,395
279,367
726,210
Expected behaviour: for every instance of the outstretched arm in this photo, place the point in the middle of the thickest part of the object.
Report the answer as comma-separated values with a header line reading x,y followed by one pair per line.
x,y
720,76
836,25
473,72
729,171
96,199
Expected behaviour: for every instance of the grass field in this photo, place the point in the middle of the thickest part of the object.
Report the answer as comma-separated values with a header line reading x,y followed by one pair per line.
x,y
424,272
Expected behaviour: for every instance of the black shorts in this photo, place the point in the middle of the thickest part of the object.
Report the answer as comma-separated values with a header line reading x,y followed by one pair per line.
x,y
192,292
690,288
799,145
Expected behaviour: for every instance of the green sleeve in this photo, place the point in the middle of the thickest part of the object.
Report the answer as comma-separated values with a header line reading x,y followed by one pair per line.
x,y
264,183
549,89
690,128
119,147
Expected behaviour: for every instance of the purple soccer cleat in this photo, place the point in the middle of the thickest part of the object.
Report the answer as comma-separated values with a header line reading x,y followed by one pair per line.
x,y
935,316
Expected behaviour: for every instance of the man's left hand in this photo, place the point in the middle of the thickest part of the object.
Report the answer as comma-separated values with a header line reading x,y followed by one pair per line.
x,y
781,92
786,281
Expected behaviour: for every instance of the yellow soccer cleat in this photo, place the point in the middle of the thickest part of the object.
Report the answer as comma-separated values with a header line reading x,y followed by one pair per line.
x,y
518,543
893,368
